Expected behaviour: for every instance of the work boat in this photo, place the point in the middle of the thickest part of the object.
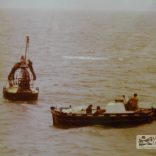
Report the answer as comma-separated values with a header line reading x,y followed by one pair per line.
x,y
114,115
20,84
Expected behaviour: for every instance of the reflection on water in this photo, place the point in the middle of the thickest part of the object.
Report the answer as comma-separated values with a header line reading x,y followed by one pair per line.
x,y
80,58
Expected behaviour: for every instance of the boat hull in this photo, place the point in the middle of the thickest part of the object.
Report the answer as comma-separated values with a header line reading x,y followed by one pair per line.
x,y
61,119
20,95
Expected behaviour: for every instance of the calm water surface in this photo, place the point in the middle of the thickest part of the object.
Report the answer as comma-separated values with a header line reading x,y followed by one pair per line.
x,y
80,58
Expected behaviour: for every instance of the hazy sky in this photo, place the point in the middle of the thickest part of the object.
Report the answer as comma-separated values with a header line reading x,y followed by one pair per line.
x,y
134,5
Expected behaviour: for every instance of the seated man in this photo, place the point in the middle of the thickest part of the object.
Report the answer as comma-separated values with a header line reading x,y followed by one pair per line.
x,y
99,111
89,109
132,104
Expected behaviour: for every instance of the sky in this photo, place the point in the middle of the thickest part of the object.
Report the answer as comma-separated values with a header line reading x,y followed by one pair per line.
x,y
129,5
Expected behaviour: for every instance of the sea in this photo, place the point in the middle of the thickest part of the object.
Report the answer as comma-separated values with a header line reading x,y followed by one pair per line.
x,y
80,58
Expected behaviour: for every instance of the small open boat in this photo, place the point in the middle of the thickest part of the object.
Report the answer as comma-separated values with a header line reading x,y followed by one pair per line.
x,y
20,80
114,115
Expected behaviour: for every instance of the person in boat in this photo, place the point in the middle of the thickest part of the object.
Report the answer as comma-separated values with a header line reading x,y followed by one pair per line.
x,y
89,109
99,111
122,99
132,104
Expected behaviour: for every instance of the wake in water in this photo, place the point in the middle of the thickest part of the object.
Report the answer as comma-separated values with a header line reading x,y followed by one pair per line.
x,y
85,58
89,58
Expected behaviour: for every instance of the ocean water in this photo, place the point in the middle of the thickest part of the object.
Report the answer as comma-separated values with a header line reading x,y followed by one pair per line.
x,y
79,58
